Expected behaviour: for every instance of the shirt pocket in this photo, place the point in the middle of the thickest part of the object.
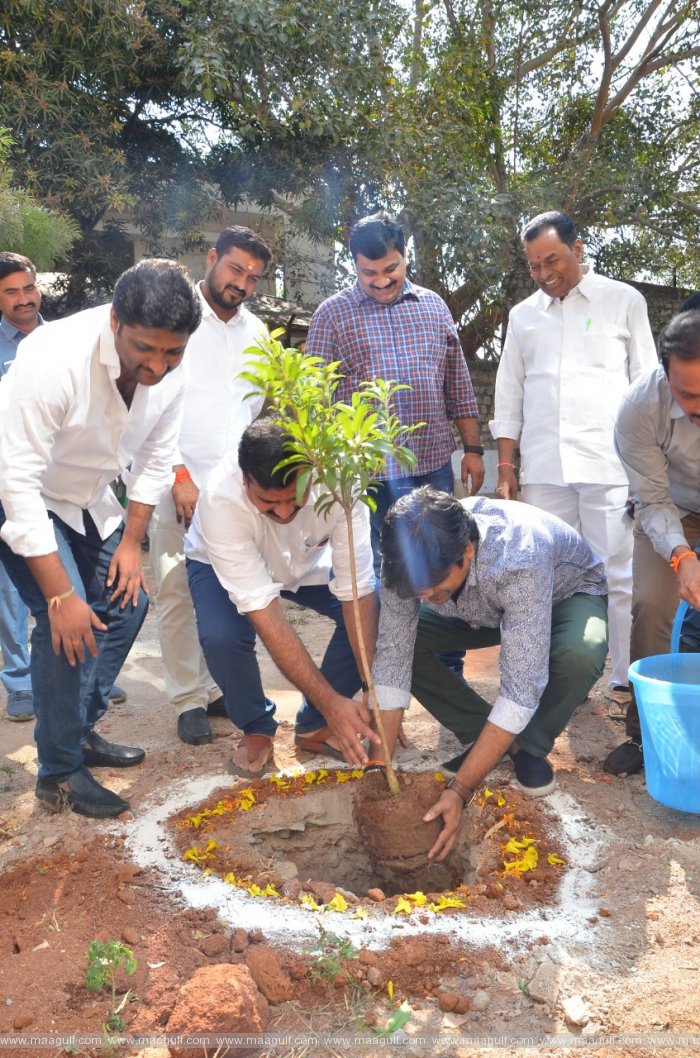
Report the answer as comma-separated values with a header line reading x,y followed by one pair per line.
x,y
603,348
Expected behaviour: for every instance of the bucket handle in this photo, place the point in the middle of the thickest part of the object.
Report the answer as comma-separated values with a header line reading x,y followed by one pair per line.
x,y
678,620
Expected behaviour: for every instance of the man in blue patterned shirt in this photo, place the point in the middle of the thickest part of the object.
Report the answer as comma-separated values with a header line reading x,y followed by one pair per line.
x,y
387,327
487,572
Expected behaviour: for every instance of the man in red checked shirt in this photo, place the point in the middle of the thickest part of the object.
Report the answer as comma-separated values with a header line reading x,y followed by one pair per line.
x,y
384,326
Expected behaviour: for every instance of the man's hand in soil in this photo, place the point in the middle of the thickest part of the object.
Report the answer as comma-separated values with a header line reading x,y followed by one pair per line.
x,y
488,749
450,807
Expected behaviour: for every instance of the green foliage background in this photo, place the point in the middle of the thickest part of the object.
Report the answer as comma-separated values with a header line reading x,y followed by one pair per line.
x,y
462,116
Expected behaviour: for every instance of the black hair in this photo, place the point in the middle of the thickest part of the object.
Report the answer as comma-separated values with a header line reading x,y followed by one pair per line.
x,y
691,302
561,222
159,293
680,338
424,535
243,239
15,262
374,237
263,445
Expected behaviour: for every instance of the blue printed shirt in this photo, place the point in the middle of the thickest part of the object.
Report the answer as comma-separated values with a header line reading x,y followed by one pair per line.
x,y
526,562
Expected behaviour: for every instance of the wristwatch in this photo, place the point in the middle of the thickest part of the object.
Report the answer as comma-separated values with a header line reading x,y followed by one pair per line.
x,y
462,790
478,450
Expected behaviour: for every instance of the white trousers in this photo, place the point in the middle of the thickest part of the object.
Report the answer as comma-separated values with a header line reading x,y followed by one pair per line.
x,y
188,683
597,512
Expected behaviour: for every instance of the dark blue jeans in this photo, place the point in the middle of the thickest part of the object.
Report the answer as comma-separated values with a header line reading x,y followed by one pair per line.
x,y
443,478
68,701
389,491
228,643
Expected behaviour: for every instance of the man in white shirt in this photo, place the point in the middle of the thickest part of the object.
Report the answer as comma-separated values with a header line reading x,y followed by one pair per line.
x,y
218,406
90,397
20,301
251,542
571,351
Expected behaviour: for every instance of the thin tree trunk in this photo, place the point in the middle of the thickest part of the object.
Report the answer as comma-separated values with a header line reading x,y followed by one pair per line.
x,y
391,779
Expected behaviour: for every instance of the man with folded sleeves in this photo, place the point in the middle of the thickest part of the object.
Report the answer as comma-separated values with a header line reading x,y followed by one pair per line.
x,y
90,397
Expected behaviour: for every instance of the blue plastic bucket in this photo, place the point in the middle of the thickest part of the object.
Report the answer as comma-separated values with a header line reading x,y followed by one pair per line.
x,y
667,691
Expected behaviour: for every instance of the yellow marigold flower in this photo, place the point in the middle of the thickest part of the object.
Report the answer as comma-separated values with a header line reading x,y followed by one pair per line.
x,y
361,912
390,989
487,793
418,898
338,903
200,855
527,862
308,901
555,860
403,907
446,901
515,846
278,781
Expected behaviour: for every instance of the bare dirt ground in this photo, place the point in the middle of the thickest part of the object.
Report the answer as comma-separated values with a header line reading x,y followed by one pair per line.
x,y
612,950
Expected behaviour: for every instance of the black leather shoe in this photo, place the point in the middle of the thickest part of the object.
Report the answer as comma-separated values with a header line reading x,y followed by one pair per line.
x,y
456,763
193,727
217,707
82,793
99,753
627,759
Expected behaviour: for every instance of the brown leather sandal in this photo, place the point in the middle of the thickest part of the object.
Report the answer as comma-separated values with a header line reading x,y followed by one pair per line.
x,y
316,743
255,745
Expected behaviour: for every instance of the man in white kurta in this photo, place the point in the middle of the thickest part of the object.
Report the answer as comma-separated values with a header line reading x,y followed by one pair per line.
x,y
218,406
571,351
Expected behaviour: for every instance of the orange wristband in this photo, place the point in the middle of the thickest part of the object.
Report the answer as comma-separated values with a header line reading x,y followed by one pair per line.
x,y
182,475
675,561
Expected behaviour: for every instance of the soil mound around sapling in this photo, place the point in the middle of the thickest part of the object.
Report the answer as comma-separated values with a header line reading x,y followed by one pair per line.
x,y
391,825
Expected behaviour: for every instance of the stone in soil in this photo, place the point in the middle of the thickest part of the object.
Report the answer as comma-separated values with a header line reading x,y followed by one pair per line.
x,y
218,999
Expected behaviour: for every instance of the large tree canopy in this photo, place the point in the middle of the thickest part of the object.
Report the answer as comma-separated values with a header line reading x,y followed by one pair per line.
x,y
27,227
461,116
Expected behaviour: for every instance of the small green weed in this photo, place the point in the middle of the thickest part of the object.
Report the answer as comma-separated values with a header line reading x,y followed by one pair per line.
x,y
329,954
105,959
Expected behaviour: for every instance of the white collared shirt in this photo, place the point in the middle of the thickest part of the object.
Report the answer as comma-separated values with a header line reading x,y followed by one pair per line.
x,y
216,410
255,558
67,433
566,366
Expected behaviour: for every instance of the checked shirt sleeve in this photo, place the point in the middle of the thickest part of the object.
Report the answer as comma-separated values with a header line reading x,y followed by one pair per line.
x,y
460,399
